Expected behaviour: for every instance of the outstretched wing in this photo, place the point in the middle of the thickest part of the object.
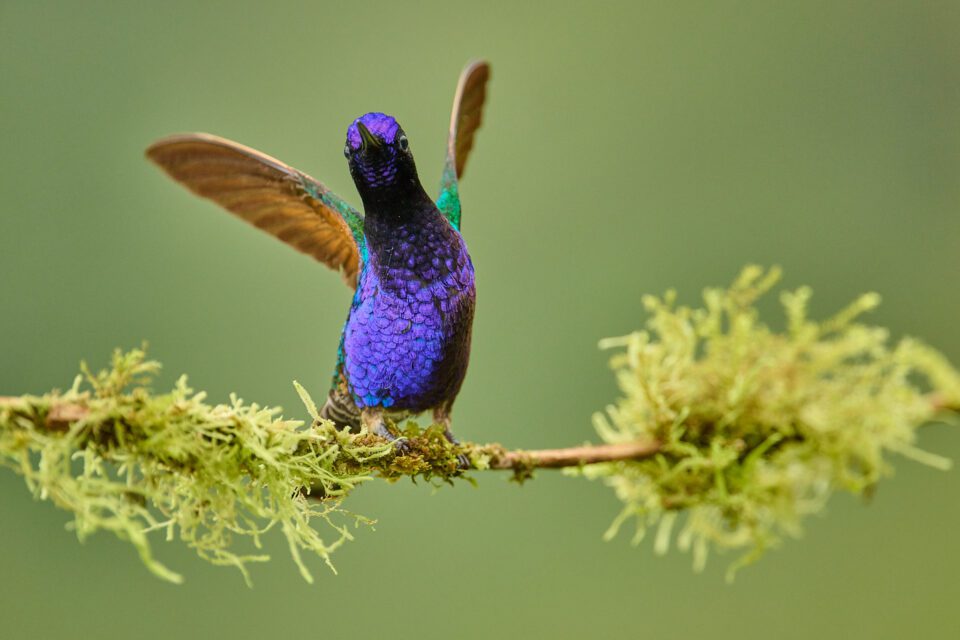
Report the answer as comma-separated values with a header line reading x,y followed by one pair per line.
x,y
284,202
464,121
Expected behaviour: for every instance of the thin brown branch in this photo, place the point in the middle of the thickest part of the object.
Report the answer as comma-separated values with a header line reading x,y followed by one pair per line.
x,y
58,418
576,456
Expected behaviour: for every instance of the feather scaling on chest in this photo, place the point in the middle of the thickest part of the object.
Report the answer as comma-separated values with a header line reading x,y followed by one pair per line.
x,y
407,339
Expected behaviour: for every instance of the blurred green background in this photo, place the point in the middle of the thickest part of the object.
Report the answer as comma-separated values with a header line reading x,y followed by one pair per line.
x,y
627,148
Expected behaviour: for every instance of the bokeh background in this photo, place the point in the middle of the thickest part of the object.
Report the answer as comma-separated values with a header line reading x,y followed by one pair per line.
x,y
628,148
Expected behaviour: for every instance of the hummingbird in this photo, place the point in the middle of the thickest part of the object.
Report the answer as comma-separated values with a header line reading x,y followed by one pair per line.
x,y
405,346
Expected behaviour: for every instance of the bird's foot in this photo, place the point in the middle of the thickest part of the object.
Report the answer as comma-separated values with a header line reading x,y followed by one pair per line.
x,y
400,445
463,462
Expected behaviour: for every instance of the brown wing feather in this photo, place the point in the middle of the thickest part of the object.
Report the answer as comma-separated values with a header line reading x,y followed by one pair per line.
x,y
265,192
467,112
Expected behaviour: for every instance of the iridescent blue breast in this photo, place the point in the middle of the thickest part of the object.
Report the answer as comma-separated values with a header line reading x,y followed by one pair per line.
x,y
407,339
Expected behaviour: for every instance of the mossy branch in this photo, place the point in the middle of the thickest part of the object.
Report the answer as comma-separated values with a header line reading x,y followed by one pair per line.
x,y
425,459
740,430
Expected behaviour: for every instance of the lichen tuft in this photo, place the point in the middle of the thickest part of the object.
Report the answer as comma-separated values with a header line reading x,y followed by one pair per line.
x,y
759,428
124,460
213,476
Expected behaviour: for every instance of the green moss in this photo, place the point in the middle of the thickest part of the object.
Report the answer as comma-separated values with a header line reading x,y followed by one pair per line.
x,y
759,428
216,477
138,464
523,468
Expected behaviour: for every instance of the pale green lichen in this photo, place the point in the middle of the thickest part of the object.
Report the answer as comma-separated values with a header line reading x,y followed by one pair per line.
x,y
211,476
759,428
125,460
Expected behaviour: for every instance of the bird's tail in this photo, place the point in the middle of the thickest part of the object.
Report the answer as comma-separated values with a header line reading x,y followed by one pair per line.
x,y
340,407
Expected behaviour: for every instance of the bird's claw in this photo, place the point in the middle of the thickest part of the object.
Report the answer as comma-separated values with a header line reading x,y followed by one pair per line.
x,y
402,446
463,462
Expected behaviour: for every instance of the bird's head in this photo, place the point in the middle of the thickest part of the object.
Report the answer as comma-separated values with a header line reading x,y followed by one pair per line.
x,y
378,153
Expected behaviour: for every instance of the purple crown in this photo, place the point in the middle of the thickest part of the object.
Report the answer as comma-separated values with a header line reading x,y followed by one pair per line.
x,y
379,124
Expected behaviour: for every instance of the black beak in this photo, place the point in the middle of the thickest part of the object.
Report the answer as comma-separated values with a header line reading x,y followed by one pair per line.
x,y
370,141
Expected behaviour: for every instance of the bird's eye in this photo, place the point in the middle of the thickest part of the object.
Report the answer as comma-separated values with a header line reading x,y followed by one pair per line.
x,y
346,151
403,142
